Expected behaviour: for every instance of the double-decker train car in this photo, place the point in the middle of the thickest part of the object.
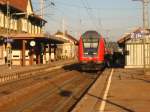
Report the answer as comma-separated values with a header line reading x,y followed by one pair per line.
x,y
91,51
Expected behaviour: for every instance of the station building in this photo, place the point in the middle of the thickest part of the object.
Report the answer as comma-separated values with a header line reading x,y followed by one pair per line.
x,y
68,50
135,47
22,40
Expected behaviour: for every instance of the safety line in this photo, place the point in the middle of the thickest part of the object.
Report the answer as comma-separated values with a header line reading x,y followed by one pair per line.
x,y
103,103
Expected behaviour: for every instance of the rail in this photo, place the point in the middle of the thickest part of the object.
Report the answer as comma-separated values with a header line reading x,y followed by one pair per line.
x,y
27,73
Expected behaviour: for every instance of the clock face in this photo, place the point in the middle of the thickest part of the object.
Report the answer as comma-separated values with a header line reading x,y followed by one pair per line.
x,y
32,43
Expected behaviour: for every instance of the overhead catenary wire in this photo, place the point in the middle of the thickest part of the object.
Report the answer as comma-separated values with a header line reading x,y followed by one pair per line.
x,y
62,9
59,22
45,7
90,15
95,8
99,21
87,7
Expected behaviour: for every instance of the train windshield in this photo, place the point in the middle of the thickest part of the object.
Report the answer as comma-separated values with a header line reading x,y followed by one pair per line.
x,y
90,46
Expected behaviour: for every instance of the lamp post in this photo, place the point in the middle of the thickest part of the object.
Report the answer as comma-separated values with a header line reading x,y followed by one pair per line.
x,y
8,46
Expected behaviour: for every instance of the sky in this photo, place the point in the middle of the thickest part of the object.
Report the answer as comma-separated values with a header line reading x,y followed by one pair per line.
x,y
111,18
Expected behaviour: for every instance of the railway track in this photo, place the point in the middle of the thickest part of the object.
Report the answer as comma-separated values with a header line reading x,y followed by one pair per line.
x,y
62,100
11,87
15,75
49,91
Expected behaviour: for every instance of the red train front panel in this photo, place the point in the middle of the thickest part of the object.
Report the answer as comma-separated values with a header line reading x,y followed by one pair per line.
x,y
91,50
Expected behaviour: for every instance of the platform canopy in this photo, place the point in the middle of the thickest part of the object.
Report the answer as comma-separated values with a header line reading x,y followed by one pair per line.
x,y
46,37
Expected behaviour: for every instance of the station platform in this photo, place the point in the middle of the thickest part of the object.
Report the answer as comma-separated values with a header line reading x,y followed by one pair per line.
x,y
5,70
118,90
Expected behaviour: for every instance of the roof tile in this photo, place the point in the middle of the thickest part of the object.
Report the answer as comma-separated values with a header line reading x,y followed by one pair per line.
x,y
18,4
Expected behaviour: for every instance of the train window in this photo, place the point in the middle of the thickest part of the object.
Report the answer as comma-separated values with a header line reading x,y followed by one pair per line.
x,y
95,45
90,49
87,45
90,45
90,40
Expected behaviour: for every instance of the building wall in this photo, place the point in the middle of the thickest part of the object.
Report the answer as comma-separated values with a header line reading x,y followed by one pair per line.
x,y
17,56
136,50
29,7
17,24
2,54
66,50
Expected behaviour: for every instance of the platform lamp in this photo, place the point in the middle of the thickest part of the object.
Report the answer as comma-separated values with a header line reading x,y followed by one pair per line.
x,y
8,46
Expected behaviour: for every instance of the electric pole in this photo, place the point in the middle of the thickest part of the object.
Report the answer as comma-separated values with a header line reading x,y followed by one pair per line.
x,y
145,13
42,7
63,27
145,26
8,46
42,13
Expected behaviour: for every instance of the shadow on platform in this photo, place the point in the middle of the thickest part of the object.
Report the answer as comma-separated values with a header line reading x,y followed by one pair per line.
x,y
65,93
112,103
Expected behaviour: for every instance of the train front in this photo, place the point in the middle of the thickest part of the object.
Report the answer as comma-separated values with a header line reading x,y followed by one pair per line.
x,y
91,51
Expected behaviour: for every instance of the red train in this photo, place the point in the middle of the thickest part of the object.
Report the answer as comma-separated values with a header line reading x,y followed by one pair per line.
x,y
91,51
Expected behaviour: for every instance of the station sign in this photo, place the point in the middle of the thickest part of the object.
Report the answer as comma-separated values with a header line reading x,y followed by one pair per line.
x,y
8,40
138,35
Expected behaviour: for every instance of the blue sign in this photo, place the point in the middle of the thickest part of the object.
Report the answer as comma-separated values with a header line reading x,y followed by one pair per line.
x,y
8,40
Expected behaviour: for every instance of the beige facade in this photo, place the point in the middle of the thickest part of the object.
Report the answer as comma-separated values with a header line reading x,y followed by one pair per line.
x,y
14,23
136,48
68,49
21,24
138,53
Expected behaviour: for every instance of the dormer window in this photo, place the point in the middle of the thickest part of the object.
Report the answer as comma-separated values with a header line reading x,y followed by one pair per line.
x,y
1,19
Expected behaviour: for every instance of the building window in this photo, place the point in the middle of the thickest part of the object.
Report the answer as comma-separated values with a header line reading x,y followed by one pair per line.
x,y
39,29
33,29
36,30
15,24
24,25
11,23
6,22
1,51
1,19
29,27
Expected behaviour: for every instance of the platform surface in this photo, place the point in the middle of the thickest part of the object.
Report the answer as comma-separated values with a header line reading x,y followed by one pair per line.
x,y
118,90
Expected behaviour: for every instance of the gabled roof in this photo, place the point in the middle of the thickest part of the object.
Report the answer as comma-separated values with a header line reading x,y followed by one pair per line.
x,y
127,36
67,35
21,5
2,2
17,4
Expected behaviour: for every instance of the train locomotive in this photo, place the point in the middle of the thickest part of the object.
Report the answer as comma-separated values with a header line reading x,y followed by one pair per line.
x,y
91,51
